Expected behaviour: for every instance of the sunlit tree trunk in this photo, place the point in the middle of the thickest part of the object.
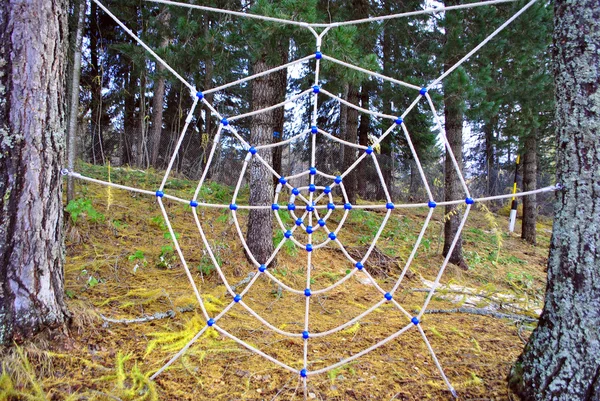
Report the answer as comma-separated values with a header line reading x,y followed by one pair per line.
x,y
33,44
562,358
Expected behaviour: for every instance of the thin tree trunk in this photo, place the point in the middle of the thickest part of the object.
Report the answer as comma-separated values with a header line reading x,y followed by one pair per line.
x,y
74,105
363,139
351,136
158,101
208,83
128,137
529,184
32,138
561,359
96,149
454,123
490,160
260,222
140,143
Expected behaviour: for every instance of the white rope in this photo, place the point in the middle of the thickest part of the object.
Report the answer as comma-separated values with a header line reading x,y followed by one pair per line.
x,y
309,206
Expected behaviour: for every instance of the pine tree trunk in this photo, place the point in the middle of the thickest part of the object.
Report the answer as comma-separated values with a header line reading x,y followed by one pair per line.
x,y
74,104
33,44
529,184
97,142
158,100
363,139
351,136
561,359
260,222
281,77
454,123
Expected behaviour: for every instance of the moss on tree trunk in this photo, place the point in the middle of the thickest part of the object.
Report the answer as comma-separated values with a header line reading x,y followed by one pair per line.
x,y
562,358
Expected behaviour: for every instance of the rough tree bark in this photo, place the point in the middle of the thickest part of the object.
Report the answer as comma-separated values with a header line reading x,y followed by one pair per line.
x,y
260,222
454,123
529,184
281,78
561,359
158,100
74,104
33,45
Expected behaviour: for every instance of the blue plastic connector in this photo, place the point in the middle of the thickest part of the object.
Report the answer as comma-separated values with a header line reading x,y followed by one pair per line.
x,y
193,203
200,95
237,298
282,180
359,265
469,201
210,322
262,268
252,150
415,321
369,150
318,55
307,292
303,373
288,234
275,206
305,335
160,194
338,180
298,221
224,122
309,247
233,206
321,222
310,208
389,206
314,129
431,204
312,171
399,121
423,91
388,296
348,206
291,206
316,89
312,188
309,230
330,206
332,236
276,134
327,190
296,191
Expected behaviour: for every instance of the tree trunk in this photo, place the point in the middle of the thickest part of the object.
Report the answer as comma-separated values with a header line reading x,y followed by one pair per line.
x,y
454,122
560,361
363,139
281,90
351,135
33,44
158,100
260,222
490,160
529,184
97,142
128,116
74,105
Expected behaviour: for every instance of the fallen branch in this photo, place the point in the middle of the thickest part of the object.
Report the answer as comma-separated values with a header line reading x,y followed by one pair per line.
x,y
502,303
243,282
158,315
484,312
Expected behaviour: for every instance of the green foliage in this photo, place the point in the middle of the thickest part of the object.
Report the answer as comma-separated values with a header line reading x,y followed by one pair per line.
x,y
83,207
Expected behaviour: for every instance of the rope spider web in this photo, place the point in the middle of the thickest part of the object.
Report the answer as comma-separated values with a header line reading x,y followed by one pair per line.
x,y
312,205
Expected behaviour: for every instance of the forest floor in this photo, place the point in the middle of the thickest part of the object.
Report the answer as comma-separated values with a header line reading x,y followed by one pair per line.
x,y
121,265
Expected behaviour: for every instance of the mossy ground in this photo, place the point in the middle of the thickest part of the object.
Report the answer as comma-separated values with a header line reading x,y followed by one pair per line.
x,y
120,264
